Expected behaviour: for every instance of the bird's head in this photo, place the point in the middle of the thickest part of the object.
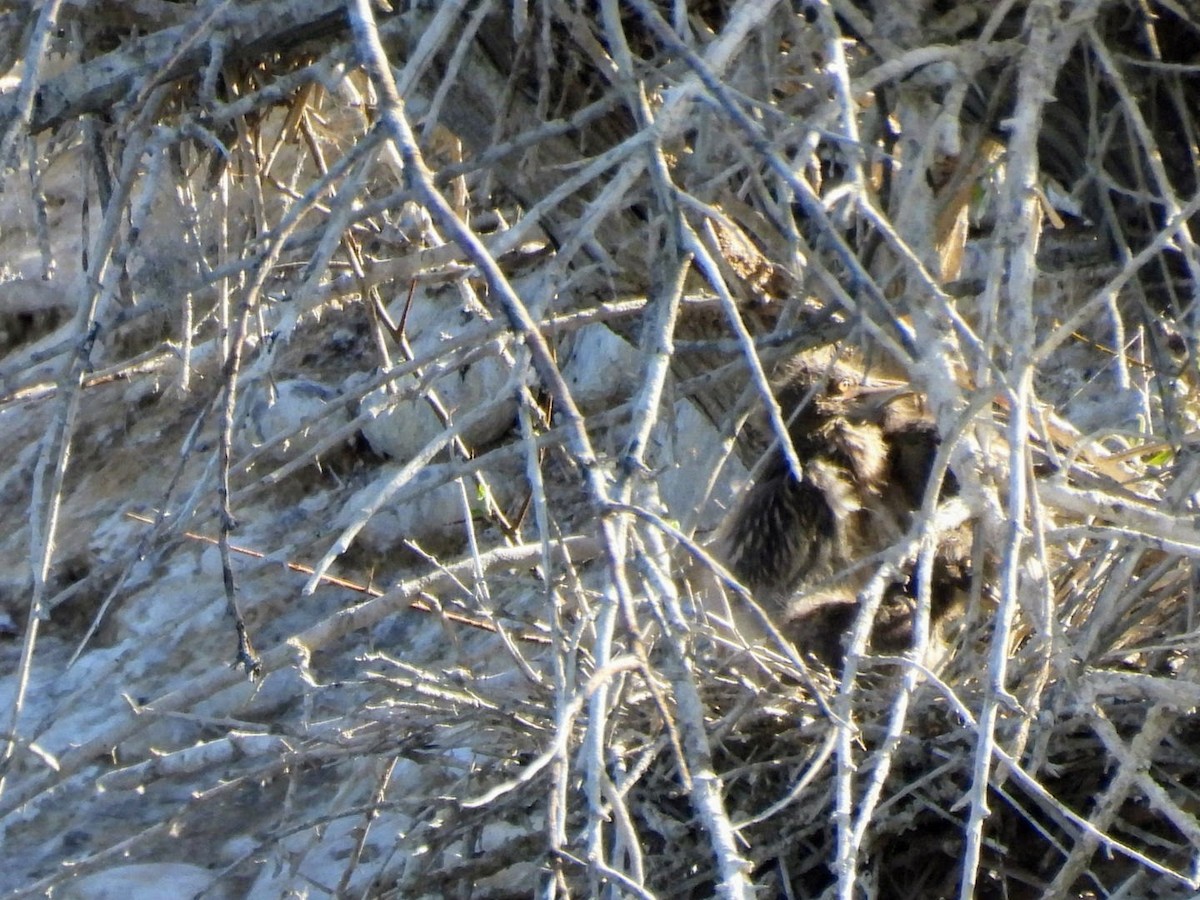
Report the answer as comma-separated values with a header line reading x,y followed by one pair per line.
x,y
813,390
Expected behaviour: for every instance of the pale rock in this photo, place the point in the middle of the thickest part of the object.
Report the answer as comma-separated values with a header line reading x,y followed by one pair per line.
x,y
147,881
298,412
600,368
401,428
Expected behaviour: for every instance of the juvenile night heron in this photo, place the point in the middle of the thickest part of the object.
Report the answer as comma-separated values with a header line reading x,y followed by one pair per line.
x,y
866,450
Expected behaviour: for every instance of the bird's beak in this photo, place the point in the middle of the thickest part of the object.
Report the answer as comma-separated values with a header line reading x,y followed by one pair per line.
x,y
882,392
877,396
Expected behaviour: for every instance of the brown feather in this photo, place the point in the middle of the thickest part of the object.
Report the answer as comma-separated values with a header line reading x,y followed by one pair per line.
x,y
865,460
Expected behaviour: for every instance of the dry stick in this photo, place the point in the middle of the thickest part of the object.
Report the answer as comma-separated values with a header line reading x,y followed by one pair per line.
x,y
658,583
392,484
1178,532
758,374
1132,760
395,125
556,807
614,597
843,96
609,874
152,836
143,545
735,867
888,330
1108,292
337,233
393,121
927,529
626,843
1125,535
706,787
1018,241
484,339
1166,195
293,651
899,68
1048,802
1095,685
656,352
231,373
369,815
359,588
1033,687
1159,720
103,273
31,66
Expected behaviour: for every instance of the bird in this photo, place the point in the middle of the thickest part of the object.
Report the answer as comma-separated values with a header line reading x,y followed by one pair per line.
x,y
866,450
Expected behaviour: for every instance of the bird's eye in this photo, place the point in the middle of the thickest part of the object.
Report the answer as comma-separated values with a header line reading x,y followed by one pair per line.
x,y
843,385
